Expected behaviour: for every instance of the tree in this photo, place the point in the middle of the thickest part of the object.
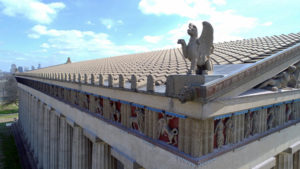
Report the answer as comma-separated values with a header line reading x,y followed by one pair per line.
x,y
11,89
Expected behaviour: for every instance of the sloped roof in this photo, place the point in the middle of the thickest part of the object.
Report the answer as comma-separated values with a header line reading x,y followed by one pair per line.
x,y
162,63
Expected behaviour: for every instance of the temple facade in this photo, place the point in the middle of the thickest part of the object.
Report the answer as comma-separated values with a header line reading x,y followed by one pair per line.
x,y
144,111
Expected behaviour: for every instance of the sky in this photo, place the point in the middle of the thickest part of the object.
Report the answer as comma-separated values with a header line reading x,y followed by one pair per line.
x,y
47,32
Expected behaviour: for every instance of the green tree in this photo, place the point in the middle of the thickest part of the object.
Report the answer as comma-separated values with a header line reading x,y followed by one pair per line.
x,y
11,89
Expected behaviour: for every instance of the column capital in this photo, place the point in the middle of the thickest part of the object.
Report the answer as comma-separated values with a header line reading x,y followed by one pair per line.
x,y
267,164
62,116
71,122
58,114
128,162
293,148
91,136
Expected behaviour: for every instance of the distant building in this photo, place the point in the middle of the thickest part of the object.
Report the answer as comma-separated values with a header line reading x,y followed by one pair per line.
x,y
13,68
26,69
127,111
20,69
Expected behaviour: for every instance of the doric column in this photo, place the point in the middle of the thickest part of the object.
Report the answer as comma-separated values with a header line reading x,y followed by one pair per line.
x,y
24,113
81,148
294,150
101,158
36,119
54,135
284,160
46,155
127,162
41,135
32,123
29,133
296,160
26,119
65,145
267,164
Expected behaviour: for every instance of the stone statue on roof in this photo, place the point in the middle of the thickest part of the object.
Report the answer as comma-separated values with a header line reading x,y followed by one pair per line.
x,y
68,60
198,50
279,81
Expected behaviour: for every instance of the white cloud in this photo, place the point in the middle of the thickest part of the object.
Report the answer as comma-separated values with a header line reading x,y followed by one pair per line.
x,y
20,58
34,10
152,39
89,23
267,23
34,36
80,44
228,25
219,2
120,22
186,8
109,23
45,45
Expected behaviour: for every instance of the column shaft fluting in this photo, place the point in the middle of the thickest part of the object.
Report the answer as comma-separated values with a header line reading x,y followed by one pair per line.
x,y
65,145
46,154
80,150
101,158
41,135
54,135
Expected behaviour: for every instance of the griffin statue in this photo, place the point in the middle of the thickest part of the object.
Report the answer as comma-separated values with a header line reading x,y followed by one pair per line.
x,y
198,50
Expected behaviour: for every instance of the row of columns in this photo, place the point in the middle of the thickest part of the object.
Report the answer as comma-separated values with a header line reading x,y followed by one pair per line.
x,y
57,142
288,159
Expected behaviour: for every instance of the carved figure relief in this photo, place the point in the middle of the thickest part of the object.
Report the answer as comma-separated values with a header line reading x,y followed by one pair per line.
x,y
86,101
248,125
62,93
137,122
288,115
163,128
279,81
199,49
76,98
256,122
219,133
116,114
99,106
270,118
229,131
294,111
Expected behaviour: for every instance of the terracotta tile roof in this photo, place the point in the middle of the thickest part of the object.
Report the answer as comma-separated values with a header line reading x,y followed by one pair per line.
x,y
170,61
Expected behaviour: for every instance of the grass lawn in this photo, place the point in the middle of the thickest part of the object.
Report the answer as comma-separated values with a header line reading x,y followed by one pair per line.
x,y
12,108
9,158
8,117
8,150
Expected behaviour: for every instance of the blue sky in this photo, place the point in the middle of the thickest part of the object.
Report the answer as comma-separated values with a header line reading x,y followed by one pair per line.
x,y
47,32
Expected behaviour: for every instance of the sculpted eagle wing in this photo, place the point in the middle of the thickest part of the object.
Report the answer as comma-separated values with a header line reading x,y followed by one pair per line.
x,y
206,40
